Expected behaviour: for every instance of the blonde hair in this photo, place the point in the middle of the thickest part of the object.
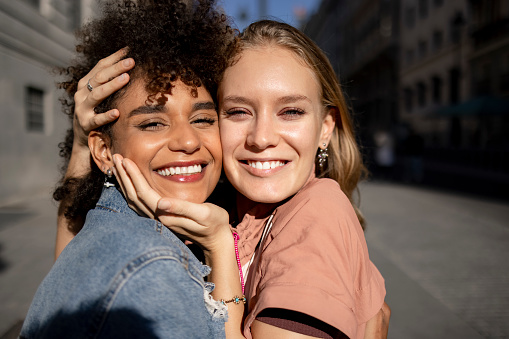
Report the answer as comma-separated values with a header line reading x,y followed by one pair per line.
x,y
344,163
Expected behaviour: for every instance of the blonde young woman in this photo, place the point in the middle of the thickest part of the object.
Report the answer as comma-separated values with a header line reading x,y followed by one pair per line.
x,y
302,253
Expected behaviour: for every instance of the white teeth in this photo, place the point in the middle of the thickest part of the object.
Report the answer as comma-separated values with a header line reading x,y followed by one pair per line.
x,y
180,170
265,164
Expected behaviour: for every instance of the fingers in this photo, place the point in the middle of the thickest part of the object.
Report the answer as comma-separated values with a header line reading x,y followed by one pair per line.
x,y
107,77
201,213
139,191
128,189
106,71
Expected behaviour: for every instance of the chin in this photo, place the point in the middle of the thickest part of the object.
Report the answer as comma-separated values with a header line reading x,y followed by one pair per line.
x,y
266,197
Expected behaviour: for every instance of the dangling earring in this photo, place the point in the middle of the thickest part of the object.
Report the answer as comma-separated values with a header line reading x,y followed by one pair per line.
x,y
107,177
322,156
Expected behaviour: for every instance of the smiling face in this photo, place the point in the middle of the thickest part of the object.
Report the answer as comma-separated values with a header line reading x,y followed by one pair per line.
x,y
175,146
272,122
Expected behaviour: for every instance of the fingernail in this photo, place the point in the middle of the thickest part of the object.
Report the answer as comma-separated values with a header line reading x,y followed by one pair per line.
x,y
163,204
114,114
127,62
121,77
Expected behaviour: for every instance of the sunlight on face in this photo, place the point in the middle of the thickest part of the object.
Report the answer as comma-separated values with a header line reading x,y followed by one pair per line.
x,y
175,146
271,123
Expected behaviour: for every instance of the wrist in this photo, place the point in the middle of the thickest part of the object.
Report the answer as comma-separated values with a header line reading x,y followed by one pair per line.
x,y
223,248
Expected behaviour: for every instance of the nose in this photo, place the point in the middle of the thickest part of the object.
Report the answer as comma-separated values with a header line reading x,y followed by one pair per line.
x,y
184,138
262,132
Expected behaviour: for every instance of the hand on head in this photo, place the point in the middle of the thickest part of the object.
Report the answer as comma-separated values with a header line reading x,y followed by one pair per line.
x,y
107,77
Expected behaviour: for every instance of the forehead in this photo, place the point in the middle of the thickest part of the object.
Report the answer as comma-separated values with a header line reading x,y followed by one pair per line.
x,y
270,67
181,95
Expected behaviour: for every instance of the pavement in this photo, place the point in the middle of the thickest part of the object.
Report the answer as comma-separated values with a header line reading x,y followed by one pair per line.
x,y
444,256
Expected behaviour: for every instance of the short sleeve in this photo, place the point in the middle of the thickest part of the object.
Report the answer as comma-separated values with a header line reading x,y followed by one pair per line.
x,y
316,262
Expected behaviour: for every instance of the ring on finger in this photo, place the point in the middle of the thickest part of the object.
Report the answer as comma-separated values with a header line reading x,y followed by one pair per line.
x,y
89,87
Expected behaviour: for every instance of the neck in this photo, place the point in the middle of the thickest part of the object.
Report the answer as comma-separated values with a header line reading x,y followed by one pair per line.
x,y
258,209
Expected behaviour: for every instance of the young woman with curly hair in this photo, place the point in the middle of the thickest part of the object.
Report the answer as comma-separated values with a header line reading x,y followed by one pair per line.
x,y
125,275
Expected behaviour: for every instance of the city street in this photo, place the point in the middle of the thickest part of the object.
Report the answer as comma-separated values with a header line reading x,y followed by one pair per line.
x,y
445,258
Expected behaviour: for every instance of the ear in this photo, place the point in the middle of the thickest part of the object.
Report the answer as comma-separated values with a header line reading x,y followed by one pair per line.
x,y
100,149
328,124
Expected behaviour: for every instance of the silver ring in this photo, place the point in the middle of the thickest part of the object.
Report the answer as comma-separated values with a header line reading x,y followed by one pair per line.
x,y
89,87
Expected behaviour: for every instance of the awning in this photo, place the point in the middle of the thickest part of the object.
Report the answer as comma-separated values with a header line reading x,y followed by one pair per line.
x,y
485,105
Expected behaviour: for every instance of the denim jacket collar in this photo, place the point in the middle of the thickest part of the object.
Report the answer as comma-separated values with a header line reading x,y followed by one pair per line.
x,y
113,200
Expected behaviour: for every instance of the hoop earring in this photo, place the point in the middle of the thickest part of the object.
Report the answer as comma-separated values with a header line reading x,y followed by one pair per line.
x,y
322,156
107,177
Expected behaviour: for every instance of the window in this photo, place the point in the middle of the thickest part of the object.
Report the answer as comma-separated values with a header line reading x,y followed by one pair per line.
x,y
421,94
438,39
410,17
35,3
34,109
423,9
410,56
423,48
454,86
408,97
455,25
437,89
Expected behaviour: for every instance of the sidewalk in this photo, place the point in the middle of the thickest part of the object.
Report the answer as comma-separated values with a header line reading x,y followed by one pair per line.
x,y
27,238
445,259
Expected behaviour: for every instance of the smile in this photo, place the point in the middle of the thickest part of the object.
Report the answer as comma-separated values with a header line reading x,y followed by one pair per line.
x,y
183,170
265,164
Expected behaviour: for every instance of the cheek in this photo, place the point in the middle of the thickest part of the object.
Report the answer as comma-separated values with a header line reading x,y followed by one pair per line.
x,y
140,149
231,136
212,142
302,139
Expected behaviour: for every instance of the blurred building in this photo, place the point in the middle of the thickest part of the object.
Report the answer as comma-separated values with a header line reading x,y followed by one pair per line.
x,y
361,39
433,75
35,37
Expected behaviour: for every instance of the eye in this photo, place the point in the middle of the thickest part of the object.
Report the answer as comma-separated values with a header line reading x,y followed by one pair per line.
x,y
236,113
206,121
151,126
292,113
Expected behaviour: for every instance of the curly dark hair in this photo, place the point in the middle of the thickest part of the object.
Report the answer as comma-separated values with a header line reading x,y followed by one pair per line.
x,y
169,40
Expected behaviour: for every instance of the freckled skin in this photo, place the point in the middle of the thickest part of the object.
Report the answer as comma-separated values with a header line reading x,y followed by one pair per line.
x,y
271,110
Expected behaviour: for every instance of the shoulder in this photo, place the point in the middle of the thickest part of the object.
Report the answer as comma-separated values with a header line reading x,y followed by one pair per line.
x,y
321,204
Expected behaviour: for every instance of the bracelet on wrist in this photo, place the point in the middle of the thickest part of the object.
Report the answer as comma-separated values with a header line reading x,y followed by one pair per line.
x,y
236,299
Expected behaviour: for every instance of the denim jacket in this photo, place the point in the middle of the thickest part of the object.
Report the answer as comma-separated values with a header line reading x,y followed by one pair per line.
x,y
124,276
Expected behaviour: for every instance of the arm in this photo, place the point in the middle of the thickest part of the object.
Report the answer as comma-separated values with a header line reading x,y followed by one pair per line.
x,y
106,77
378,326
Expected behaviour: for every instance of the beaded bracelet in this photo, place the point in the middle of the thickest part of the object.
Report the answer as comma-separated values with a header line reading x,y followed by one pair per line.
x,y
236,299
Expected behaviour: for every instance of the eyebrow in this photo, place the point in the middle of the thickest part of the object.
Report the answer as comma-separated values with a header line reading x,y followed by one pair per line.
x,y
287,99
147,110
204,105
151,109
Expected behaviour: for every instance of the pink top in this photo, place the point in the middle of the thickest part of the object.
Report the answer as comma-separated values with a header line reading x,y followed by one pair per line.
x,y
314,260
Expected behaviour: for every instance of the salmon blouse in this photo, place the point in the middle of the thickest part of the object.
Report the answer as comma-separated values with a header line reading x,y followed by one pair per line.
x,y
314,260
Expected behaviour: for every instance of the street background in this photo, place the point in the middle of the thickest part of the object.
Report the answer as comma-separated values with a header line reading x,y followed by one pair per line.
x,y
428,84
